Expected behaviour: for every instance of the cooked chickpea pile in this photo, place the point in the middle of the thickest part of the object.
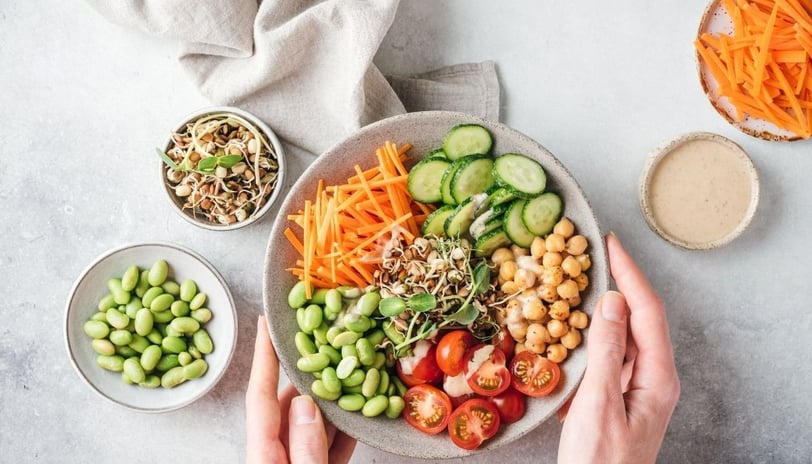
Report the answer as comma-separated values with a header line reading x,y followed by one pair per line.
x,y
544,284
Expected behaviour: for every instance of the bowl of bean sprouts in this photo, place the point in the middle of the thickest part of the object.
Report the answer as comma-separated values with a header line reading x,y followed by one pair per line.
x,y
222,168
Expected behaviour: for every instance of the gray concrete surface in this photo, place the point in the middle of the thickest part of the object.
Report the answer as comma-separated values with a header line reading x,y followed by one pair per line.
x,y
598,83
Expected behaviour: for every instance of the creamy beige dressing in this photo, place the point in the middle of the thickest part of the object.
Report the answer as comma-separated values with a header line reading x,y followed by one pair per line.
x,y
700,191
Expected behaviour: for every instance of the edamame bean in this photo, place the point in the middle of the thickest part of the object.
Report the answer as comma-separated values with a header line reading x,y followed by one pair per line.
x,y
304,344
319,296
332,301
383,385
171,344
395,407
126,351
195,369
371,383
351,402
320,334
185,325
202,315
312,318
357,322
356,389
120,296
179,308
375,406
380,360
167,362
133,306
111,363
99,316
150,357
161,303
143,283
107,302
331,334
139,343
144,321
330,380
376,337
349,292
96,329
194,352
401,388
171,332
121,337
173,377
162,317
132,367
297,297
117,319
184,358
188,290
349,350
171,287
154,335
198,301
332,353
366,352
150,295
346,367
158,273
392,306
368,303
202,341
318,389
313,362
103,346
151,381
130,278
125,378
345,338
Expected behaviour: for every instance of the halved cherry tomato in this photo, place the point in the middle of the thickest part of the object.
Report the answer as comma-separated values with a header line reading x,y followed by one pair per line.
x,y
421,367
534,375
511,405
485,370
473,422
427,408
505,342
451,351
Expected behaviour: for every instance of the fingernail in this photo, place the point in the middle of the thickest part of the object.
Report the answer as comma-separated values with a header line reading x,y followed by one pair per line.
x,y
303,410
613,306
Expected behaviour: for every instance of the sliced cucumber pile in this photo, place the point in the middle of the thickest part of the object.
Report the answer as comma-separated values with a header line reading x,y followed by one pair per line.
x,y
495,201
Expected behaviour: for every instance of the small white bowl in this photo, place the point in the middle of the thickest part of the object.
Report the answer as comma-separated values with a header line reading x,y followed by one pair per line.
x,y
177,202
91,286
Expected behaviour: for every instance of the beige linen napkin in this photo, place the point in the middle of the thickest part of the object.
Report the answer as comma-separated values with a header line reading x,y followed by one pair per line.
x,y
303,66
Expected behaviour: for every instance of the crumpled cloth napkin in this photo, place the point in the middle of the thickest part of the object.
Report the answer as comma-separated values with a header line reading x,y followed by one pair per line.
x,y
303,66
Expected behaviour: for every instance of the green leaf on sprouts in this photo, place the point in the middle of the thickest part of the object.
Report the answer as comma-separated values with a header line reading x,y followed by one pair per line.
x,y
166,159
467,314
392,306
228,160
207,164
482,277
422,302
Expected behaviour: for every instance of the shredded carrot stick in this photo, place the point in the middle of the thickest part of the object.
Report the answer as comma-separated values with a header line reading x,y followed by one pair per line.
x,y
763,67
345,227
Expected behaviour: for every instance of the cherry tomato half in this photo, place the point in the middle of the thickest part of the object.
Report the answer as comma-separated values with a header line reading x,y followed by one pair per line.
x,y
485,370
427,408
505,342
451,351
421,367
473,422
534,375
511,405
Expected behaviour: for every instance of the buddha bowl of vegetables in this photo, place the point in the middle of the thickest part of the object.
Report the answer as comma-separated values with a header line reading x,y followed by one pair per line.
x,y
432,275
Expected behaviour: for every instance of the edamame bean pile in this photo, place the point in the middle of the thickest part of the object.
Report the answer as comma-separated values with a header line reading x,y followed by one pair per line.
x,y
343,356
150,328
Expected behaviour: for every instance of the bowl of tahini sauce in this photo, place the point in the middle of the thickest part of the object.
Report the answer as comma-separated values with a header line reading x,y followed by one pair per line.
x,y
699,191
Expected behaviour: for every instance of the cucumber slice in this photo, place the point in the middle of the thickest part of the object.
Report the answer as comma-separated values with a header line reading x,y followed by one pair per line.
x,y
474,175
497,196
519,175
425,179
486,222
445,184
514,225
467,139
459,221
488,243
436,221
541,213
437,152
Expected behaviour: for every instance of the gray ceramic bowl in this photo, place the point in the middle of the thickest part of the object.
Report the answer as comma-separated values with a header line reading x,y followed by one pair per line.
x,y
199,221
425,131
91,286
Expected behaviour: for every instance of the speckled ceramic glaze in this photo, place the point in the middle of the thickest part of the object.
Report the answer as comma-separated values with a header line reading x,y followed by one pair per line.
x,y
425,131
177,202
91,286
659,153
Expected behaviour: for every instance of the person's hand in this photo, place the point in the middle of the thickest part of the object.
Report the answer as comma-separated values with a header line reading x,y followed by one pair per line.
x,y
287,427
622,408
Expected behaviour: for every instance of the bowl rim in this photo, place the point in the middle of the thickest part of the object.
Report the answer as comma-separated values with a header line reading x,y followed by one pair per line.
x,y
660,152
280,179
81,279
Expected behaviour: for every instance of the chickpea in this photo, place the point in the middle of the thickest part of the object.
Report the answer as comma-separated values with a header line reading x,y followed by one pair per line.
x,y
567,289
571,266
584,261
533,309
582,281
560,310
576,245
552,275
537,333
507,270
501,255
537,348
518,330
513,310
556,353
547,293
551,259
578,319
557,328
555,243
574,301
509,287
564,228
537,248
524,278
529,263
519,347
519,251
571,339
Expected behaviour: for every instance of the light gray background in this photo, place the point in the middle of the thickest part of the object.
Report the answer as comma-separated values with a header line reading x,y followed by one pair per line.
x,y
598,83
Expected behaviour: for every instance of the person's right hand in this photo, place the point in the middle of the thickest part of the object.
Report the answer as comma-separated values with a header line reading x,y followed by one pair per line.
x,y
622,408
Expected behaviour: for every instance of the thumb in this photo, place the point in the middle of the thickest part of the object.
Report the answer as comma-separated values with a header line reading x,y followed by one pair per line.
x,y
307,436
606,346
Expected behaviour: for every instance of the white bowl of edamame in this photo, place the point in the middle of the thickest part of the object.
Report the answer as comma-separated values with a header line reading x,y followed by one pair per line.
x,y
150,326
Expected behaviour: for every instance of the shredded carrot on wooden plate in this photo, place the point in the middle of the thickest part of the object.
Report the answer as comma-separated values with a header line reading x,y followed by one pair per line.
x,y
343,231
764,68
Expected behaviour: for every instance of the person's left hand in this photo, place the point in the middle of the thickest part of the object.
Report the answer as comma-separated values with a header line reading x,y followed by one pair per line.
x,y
286,427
